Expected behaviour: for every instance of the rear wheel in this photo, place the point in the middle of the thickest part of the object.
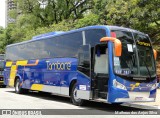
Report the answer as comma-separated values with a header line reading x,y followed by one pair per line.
x,y
75,100
4,86
18,89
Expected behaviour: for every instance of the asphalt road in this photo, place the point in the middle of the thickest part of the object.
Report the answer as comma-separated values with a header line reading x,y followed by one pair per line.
x,y
56,105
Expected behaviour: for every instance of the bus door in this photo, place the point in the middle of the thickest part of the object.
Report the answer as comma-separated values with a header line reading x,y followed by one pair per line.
x,y
100,71
84,68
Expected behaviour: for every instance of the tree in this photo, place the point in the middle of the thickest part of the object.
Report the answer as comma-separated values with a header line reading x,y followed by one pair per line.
x,y
90,19
34,18
48,12
1,30
143,15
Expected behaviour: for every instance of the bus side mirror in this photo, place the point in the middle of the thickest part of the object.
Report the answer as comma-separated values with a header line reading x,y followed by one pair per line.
x,y
155,54
117,44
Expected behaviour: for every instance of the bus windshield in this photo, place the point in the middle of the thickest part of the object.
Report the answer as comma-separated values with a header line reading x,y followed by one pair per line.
x,y
137,58
145,55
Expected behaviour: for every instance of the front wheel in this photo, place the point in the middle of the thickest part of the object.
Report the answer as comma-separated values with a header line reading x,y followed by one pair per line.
x,y
75,100
18,89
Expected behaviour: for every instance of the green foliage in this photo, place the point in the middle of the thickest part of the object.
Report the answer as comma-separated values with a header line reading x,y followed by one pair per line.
x,y
62,15
13,13
54,11
143,15
1,30
28,21
91,19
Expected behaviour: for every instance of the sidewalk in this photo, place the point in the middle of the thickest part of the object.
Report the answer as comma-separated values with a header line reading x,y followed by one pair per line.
x,y
147,105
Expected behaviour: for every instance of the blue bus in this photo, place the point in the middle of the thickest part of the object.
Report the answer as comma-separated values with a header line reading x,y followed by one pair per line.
x,y
101,63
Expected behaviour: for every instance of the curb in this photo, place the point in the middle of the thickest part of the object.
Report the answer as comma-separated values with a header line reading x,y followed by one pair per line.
x,y
134,105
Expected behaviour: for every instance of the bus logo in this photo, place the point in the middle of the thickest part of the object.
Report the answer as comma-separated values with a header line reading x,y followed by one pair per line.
x,y
133,86
58,65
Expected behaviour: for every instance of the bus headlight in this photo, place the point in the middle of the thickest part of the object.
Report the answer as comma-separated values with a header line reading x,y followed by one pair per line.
x,y
118,85
154,86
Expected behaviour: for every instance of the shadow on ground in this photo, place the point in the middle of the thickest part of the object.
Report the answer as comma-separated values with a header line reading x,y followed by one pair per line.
x,y
89,105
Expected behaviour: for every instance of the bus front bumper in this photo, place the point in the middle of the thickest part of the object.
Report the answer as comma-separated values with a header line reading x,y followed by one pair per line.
x,y
135,100
120,96
137,97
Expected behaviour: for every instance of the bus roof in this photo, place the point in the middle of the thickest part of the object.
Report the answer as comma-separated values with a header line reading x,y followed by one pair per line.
x,y
46,34
59,33
125,29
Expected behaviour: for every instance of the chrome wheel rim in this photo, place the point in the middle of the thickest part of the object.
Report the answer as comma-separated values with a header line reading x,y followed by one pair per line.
x,y
17,86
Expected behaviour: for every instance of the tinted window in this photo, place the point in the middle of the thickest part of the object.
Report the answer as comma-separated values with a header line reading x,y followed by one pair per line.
x,y
67,45
1,57
12,53
126,63
62,46
93,36
145,53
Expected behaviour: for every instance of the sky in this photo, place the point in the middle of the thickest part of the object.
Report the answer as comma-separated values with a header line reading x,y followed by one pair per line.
x,y
2,13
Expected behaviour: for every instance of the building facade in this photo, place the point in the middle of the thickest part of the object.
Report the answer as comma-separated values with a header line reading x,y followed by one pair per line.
x,y
10,5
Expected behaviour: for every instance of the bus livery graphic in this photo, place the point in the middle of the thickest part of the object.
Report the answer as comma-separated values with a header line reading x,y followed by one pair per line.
x,y
14,67
134,85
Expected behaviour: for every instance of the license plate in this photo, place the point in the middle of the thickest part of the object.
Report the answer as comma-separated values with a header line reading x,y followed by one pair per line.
x,y
139,98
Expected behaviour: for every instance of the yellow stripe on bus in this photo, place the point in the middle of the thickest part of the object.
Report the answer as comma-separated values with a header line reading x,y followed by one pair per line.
x,y
13,71
21,63
37,87
12,75
9,64
133,86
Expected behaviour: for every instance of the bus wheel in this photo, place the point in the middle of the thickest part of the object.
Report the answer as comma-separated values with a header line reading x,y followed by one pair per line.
x,y
18,89
75,100
3,86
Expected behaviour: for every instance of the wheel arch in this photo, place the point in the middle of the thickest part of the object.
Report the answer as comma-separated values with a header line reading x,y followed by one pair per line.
x,y
17,77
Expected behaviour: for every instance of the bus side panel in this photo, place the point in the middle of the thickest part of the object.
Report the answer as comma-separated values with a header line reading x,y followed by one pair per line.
x,y
19,74
32,74
51,75
66,79
83,86
7,72
11,71
6,75
68,76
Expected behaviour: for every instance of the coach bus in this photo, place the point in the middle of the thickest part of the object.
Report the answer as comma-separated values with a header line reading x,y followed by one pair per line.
x,y
101,63
1,70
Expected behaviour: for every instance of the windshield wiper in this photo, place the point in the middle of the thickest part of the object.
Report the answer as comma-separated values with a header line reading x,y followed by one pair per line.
x,y
130,63
149,73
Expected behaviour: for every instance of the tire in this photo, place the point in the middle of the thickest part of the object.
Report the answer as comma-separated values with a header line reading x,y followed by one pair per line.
x,y
76,101
18,89
4,86
44,93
